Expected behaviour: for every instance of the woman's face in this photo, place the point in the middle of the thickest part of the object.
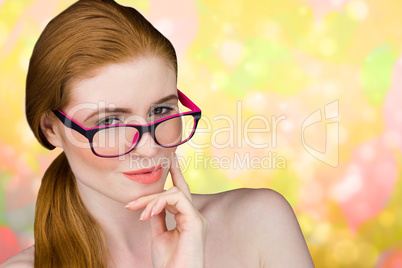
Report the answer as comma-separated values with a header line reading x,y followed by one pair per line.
x,y
124,93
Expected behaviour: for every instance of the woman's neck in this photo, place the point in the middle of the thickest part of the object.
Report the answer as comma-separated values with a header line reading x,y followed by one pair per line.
x,y
121,228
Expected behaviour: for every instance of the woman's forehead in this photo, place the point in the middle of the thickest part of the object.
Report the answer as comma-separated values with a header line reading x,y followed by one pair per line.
x,y
136,83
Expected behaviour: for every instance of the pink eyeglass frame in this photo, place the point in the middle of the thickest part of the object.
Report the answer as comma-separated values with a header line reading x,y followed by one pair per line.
x,y
89,133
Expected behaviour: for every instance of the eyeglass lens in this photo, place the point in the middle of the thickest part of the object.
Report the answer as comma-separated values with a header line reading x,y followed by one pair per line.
x,y
113,141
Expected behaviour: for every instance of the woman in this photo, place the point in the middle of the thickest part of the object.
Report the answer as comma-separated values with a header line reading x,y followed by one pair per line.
x,y
102,85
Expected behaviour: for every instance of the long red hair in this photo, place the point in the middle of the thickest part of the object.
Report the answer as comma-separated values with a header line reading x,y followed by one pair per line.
x,y
87,35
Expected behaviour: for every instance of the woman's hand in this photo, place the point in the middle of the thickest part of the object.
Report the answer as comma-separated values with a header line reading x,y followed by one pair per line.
x,y
183,246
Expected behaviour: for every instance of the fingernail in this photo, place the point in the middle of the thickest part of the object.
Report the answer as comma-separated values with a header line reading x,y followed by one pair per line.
x,y
153,210
129,204
142,215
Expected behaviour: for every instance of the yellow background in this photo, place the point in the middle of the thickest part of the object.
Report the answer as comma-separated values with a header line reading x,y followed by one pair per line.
x,y
240,61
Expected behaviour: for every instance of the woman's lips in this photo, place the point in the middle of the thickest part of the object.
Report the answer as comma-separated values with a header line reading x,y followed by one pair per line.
x,y
145,175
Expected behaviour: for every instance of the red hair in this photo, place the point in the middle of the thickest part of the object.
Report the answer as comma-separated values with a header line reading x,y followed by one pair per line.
x,y
84,37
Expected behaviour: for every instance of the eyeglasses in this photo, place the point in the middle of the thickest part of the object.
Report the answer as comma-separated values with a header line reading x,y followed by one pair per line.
x,y
120,139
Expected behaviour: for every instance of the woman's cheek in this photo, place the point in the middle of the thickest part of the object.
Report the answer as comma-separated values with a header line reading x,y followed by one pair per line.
x,y
83,161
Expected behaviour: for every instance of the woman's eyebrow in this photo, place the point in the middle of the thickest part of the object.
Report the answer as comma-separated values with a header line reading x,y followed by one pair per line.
x,y
167,98
109,110
126,110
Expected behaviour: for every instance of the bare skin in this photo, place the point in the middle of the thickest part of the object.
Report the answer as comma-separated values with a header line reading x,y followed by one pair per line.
x,y
247,228
239,228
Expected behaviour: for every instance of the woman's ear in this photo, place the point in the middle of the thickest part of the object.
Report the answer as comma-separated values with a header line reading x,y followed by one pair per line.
x,y
49,127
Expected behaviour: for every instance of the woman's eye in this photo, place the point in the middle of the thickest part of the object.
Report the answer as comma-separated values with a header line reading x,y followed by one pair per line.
x,y
111,120
162,111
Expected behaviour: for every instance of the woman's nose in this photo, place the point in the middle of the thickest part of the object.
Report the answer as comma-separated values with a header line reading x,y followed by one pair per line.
x,y
146,146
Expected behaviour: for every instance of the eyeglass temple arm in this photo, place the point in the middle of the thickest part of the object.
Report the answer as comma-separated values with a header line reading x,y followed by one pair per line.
x,y
69,122
187,102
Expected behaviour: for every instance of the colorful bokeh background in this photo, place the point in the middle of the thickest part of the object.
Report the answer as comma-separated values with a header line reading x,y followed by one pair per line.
x,y
246,63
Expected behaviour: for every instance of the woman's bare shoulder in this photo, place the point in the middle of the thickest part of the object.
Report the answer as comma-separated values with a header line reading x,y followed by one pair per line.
x,y
24,259
243,208
266,220
238,200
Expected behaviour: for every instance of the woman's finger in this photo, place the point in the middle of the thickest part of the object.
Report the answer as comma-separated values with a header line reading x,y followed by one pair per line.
x,y
148,204
176,202
149,210
143,201
158,224
177,177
